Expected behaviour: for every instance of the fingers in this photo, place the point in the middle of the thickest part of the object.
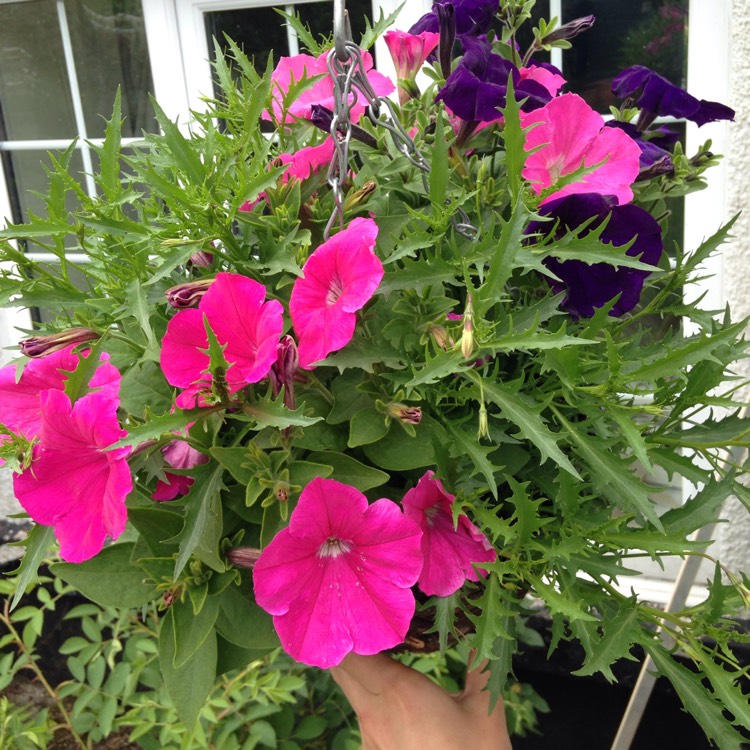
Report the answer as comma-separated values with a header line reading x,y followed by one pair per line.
x,y
477,676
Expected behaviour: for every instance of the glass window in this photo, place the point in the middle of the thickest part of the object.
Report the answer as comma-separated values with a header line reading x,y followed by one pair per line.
x,y
627,32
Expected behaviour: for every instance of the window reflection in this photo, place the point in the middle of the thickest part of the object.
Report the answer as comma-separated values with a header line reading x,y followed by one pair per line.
x,y
627,32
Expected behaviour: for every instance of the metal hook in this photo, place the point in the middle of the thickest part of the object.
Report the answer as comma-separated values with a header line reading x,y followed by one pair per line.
x,y
342,30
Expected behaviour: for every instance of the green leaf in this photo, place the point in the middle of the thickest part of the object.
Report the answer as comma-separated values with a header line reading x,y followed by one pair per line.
x,y
559,601
275,414
700,510
156,526
613,478
490,624
524,412
155,427
109,163
417,275
37,544
366,426
439,162
514,138
189,686
618,634
350,471
242,622
467,444
706,249
111,578
726,688
190,628
184,151
502,260
698,701
397,451
203,520
144,389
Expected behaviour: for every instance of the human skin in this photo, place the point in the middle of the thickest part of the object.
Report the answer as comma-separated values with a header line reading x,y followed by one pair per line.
x,y
400,709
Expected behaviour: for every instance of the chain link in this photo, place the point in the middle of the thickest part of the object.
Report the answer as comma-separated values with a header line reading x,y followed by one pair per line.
x,y
347,70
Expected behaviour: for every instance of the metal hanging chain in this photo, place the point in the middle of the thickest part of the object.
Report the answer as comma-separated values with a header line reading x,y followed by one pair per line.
x,y
349,77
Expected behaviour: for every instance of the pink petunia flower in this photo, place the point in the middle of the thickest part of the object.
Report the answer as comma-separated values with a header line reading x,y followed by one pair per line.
x,y
243,322
449,552
546,75
409,51
302,165
338,578
339,279
20,408
74,483
294,69
570,134
179,455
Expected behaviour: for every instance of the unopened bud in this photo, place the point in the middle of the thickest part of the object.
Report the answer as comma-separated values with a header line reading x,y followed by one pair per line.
x,y
322,118
467,335
570,30
404,413
201,259
188,294
358,197
484,425
441,336
284,369
243,557
39,346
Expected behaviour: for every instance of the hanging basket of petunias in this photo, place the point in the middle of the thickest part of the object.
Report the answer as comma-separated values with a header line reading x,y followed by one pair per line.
x,y
401,363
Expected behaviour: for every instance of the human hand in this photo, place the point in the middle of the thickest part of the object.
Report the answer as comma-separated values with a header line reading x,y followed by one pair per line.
x,y
400,709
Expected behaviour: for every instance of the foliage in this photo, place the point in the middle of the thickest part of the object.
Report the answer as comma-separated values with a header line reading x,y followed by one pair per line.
x,y
541,422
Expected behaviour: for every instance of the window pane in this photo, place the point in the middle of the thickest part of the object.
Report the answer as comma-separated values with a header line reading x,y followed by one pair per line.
x,y
110,50
626,33
35,99
261,31
26,174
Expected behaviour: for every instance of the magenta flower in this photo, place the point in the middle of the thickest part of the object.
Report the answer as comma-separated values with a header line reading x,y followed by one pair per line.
x,y
409,51
338,578
449,551
568,134
20,408
545,74
179,455
74,483
339,278
304,163
294,69
242,321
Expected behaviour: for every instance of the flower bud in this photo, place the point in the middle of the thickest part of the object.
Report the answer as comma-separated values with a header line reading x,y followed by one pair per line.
x,y
201,259
188,294
284,369
243,557
484,425
467,335
359,196
39,346
447,28
440,336
404,413
570,30
322,118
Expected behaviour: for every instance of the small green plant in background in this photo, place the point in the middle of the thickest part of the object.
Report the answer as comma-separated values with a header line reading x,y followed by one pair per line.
x,y
115,688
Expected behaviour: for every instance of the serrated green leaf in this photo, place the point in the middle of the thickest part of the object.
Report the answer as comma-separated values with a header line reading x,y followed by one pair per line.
x,y
155,427
698,701
276,414
203,520
613,478
490,624
438,181
478,454
37,544
727,690
523,412
560,602
700,510
618,634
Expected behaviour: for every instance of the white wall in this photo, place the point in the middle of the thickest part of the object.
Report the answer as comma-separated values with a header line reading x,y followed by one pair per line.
x,y
735,535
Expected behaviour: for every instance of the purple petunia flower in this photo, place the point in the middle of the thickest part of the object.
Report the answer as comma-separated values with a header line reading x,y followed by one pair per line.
x,y
654,159
590,286
658,97
479,85
472,16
